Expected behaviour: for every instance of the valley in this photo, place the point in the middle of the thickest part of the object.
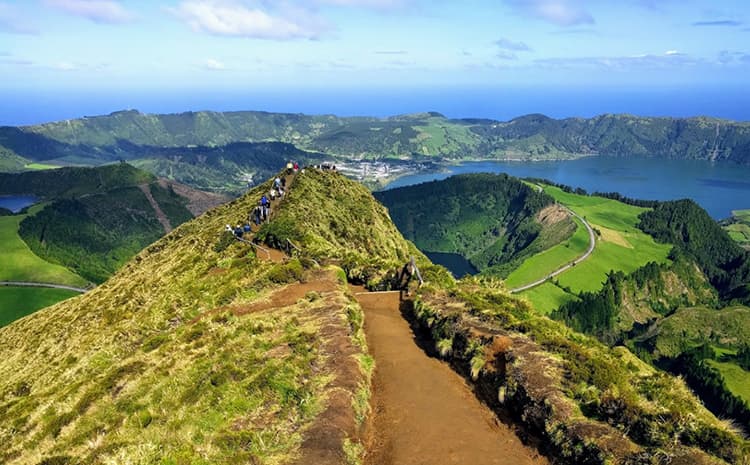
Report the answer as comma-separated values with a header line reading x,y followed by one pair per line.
x,y
86,224
199,345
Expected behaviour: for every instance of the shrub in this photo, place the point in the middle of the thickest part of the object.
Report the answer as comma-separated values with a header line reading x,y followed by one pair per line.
x,y
283,273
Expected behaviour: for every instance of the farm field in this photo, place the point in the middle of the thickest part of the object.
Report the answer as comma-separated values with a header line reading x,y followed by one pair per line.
x,y
620,246
737,379
21,264
17,302
543,263
547,297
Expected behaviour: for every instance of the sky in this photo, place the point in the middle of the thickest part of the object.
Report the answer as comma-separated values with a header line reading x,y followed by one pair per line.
x,y
232,47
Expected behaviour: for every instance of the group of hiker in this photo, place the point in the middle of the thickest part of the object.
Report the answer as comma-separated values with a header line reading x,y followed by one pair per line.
x,y
262,212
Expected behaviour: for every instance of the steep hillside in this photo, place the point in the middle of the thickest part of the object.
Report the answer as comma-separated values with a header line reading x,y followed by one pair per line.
x,y
692,327
627,304
198,352
589,403
695,234
494,221
95,219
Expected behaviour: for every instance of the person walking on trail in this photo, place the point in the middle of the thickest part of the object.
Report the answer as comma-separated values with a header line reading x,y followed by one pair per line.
x,y
276,183
272,194
264,203
296,166
289,167
283,183
256,215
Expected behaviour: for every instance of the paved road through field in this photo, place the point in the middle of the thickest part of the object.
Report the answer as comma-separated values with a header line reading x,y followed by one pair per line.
x,y
592,244
50,285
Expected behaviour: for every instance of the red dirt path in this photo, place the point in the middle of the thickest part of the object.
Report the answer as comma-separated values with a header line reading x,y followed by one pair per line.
x,y
424,412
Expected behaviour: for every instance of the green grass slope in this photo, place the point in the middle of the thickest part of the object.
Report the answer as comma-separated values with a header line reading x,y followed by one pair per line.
x,y
588,402
494,221
94,220
20,263
198,352
691,327
17,302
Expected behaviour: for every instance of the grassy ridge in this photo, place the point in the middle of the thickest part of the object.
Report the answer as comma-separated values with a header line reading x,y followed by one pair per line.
x,y
196,351
17,302
590,403
543,263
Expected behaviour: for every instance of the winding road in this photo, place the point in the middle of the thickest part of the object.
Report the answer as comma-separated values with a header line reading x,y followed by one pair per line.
x,y
592,244
50,285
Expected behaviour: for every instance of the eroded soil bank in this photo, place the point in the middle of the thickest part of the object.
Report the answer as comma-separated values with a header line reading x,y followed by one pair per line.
x,y
424,412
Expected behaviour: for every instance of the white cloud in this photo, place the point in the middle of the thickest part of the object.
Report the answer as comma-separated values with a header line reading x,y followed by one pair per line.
x,y
214,65
560,12
644,61
232,18
672,52
99,11
65,66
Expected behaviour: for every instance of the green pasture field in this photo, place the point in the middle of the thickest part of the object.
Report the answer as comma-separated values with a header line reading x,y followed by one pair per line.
x,y
17,302
547,297
21,264
620,246
543,263
737,379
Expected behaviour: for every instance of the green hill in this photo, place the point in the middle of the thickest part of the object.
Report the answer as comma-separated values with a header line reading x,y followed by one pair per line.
x,y
695,234
738,227
197,351
89,223
493,221
223,151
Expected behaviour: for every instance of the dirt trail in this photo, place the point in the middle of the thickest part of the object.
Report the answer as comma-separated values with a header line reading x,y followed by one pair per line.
x,y
424,412
157,209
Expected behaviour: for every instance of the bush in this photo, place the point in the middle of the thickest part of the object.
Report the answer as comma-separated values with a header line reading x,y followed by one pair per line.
x,y
283,273
277,232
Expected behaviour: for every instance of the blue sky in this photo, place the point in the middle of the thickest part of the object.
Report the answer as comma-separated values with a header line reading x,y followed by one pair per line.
x,y
194,45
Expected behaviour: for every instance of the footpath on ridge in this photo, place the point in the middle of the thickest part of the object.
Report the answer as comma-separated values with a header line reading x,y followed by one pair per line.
x,y
424,412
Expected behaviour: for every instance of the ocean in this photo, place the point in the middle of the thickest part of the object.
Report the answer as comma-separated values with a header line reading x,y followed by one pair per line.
x,y
25,107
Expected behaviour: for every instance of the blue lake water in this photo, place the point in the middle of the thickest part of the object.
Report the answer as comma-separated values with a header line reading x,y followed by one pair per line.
x,y
456,263
16,203
717,187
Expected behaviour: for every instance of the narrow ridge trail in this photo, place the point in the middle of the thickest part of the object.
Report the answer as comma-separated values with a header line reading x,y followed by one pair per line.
x,y
424,412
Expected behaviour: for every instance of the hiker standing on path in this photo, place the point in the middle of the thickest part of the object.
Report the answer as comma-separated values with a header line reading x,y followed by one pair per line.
x,y
296,166
289,167
264,203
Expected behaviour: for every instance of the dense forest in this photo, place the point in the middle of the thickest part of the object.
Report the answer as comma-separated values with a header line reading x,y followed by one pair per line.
x,y
94,219
491,220
696,235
